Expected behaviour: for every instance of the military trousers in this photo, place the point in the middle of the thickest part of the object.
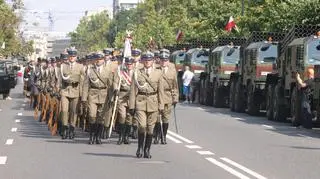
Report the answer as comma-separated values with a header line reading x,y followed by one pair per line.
x,y
124,116
95,113
166,114
146,121
69,110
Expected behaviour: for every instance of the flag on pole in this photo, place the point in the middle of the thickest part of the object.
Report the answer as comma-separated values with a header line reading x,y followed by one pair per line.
x,y
231,25
179,35
3,46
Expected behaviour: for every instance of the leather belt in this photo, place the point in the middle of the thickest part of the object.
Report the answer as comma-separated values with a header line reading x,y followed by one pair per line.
x,y
73,84
124,90
99,88
168,90
147,94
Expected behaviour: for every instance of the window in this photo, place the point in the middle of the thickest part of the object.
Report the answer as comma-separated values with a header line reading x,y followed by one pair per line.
x,y
231,55
313,52
268,53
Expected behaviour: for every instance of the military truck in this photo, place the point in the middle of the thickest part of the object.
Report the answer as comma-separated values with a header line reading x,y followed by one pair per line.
x,y
222,62
299,52
8,78
257,61
177,58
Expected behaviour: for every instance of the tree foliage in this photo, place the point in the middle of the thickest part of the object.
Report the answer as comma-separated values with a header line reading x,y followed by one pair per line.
x,y
205,20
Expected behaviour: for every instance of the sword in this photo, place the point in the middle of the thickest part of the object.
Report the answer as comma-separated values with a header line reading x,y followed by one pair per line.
x,y
160,118
175,118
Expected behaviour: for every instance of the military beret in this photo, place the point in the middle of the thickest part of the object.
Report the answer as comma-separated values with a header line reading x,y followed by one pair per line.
x,y
135,52
147,55
72,51
164,54
107,51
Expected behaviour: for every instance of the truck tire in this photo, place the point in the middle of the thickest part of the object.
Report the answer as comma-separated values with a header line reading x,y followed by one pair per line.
x,y
232,96
269,102
253,107
218,97
239,98
279,111
295,108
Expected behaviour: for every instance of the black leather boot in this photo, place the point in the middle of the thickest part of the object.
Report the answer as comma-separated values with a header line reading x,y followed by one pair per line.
x,y
156,131
92,136
64,132
99,133
126,134
165,130
71,132
139,152
135,132
147,146
121,133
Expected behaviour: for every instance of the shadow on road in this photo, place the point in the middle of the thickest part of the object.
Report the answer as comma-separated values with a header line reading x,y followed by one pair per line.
x,y
111,155
305,148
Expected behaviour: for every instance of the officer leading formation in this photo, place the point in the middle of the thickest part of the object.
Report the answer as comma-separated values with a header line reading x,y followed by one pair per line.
x,y
105,92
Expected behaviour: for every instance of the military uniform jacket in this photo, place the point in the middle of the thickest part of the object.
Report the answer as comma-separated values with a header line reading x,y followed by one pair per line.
x,y
34,82
54,77
44,78
145,96
125,84
170,85
96,84
71,80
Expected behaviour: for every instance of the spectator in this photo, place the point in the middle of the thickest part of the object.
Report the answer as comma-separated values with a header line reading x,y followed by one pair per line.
x,y
187,78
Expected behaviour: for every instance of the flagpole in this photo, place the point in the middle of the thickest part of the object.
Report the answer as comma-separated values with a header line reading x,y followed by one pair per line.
x,y
242,7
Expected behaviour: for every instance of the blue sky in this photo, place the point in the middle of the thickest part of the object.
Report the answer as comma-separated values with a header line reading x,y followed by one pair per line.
x,y
66,13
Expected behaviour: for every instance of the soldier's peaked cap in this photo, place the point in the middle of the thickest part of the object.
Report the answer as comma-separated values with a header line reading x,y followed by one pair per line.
x,y
128,60
107,51
164,54
156,53
136,52
98,55
63,56
147,55
72,51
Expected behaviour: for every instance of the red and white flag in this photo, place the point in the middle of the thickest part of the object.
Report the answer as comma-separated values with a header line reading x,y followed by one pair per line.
x,y
179,35
231,25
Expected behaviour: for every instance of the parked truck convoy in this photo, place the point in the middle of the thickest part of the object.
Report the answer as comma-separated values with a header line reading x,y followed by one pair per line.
x,y
255,73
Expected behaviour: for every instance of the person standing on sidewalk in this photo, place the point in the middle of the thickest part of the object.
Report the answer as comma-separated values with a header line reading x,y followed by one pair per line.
x,y
187,78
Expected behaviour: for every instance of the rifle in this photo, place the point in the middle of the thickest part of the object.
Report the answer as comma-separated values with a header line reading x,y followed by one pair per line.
x,y
56,116
36,110
46,107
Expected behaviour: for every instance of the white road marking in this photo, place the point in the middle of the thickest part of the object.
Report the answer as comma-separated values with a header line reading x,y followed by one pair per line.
x,y
0,110
17,120
19,114
180,137
301,135
245,169
23,105
14,129
240,119
3,160
267,126
200,108
9,142
174,140
193,147
228,169
205,152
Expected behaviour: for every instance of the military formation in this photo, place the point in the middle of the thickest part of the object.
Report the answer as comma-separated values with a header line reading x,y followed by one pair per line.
x,y
104,93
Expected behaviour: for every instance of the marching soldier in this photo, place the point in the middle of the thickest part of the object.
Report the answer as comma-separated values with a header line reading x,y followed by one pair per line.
x,y
107,55
72,77
156,59
145,101
95,90
34,84
171,96
136,55
26,77
125,119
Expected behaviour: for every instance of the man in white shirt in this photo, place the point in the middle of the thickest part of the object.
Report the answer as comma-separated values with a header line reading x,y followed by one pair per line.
x,y
187,78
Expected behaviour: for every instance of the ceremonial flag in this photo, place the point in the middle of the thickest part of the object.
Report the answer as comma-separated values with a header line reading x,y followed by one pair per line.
x,y
179,35
3,45
231,25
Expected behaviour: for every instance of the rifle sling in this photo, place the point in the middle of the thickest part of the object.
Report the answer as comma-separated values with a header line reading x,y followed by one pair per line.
x,y
148,81
105,84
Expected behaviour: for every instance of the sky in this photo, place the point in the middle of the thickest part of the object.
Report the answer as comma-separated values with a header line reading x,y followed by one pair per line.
x,y
66,13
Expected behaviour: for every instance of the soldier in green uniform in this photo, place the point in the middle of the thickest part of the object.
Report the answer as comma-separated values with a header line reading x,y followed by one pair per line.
x,y
72,77
170,98
95,91
124,118
145,101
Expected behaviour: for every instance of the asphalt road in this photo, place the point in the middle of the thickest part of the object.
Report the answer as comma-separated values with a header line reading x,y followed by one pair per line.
x,y
211,143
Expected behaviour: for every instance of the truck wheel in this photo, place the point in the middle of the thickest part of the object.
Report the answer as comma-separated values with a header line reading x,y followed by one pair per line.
x,y
270,95
279,112
218,97
253,106
5,95
295,108
232,96
239,98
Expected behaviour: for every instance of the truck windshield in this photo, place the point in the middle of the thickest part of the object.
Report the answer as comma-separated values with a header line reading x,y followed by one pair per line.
x,y
180,58
231,56
198,59
268,53
2,68
313,49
